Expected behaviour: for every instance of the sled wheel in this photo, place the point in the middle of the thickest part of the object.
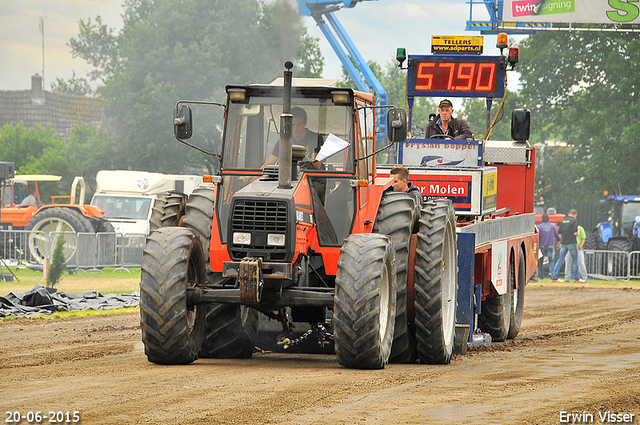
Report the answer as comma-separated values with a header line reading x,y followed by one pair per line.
x,y
518,297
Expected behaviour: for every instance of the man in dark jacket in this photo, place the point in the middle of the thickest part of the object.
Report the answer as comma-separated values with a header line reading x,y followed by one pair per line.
x,y
567,232
401,183
447,125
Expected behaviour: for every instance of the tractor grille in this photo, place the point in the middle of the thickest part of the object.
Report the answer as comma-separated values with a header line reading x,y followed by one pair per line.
x,y
259,218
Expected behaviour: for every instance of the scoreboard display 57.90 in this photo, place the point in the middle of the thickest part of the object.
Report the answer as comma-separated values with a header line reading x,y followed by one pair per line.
x,y
456,76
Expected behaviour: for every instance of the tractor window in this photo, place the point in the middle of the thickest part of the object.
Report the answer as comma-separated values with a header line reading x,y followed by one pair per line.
x,y
120,207
629,213
252,132
366,139
333,205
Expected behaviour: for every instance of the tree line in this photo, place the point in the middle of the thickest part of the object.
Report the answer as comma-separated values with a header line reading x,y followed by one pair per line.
x,y
580,86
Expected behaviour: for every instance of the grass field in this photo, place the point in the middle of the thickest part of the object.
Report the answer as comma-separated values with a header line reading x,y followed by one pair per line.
x,y
593,283
121,282
105,282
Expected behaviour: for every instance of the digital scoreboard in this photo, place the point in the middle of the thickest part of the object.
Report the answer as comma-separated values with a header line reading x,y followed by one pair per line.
x,y
456,76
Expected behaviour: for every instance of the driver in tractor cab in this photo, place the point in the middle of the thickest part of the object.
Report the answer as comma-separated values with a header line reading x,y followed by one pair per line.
x,y
29,200
301,136
448,126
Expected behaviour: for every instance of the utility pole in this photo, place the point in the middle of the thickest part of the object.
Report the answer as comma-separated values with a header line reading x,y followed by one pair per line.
x,y
42,32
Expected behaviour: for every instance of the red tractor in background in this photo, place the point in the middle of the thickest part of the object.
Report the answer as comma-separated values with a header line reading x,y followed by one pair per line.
x,y
23,209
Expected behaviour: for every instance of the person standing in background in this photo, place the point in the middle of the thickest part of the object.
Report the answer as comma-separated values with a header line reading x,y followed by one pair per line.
x,y
568,233
548,239
582,267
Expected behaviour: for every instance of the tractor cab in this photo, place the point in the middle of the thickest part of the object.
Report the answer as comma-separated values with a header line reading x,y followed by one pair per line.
x,y
323,182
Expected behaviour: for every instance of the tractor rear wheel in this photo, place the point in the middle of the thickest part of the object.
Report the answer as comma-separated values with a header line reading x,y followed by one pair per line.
x,y
365,302
395,219
168,209
172,326
55,219
617,259
198,216
495,317
436,282
231,332
517,308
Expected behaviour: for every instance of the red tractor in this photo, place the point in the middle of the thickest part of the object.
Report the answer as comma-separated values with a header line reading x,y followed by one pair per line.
x,y
318,238
24,210
323,242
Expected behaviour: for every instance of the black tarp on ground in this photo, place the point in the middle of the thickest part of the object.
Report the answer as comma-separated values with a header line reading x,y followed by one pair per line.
x,y
40,300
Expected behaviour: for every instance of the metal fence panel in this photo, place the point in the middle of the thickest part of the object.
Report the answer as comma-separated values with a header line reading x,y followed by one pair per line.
x,y
83,251
634,265
14,246
130,247
87,251
107,251
614,264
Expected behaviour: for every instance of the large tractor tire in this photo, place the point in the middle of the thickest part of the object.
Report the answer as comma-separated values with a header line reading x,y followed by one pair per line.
x,y
103,226
231,331
395,219
365,302
168,210
495,317
517,308
616,261
436,282
172,327
594,241
198,217
55,219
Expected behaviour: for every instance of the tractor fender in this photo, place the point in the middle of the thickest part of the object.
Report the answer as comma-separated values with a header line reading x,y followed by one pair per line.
x,y
88,211
605,231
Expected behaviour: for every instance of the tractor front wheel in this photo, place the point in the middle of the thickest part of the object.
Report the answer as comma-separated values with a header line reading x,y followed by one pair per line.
x,y
395,219
172,326
365,301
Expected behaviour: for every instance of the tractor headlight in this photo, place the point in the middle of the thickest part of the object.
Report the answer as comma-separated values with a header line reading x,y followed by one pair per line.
x,y
241,238
274,239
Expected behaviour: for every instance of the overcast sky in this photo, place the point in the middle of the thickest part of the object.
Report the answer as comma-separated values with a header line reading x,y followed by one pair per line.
x,y
377,28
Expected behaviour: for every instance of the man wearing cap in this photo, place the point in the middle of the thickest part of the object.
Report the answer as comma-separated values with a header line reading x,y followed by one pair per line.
x,y
450,127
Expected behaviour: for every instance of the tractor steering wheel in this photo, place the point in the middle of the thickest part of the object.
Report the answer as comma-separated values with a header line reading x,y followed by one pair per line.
x,y
439,136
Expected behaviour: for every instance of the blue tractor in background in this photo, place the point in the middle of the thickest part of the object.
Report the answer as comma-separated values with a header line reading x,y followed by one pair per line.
x,y
621,232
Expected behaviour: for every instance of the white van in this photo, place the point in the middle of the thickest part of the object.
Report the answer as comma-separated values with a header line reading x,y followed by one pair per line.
x,y
128,196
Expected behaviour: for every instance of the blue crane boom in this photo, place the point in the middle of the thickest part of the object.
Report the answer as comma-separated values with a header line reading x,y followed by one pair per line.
x,y
322,11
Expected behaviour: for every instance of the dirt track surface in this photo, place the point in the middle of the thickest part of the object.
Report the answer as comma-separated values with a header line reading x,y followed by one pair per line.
x,y
578,351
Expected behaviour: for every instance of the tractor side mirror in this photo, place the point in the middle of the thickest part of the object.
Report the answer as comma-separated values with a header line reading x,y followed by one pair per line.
x,y
397,125
182,122
520,124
